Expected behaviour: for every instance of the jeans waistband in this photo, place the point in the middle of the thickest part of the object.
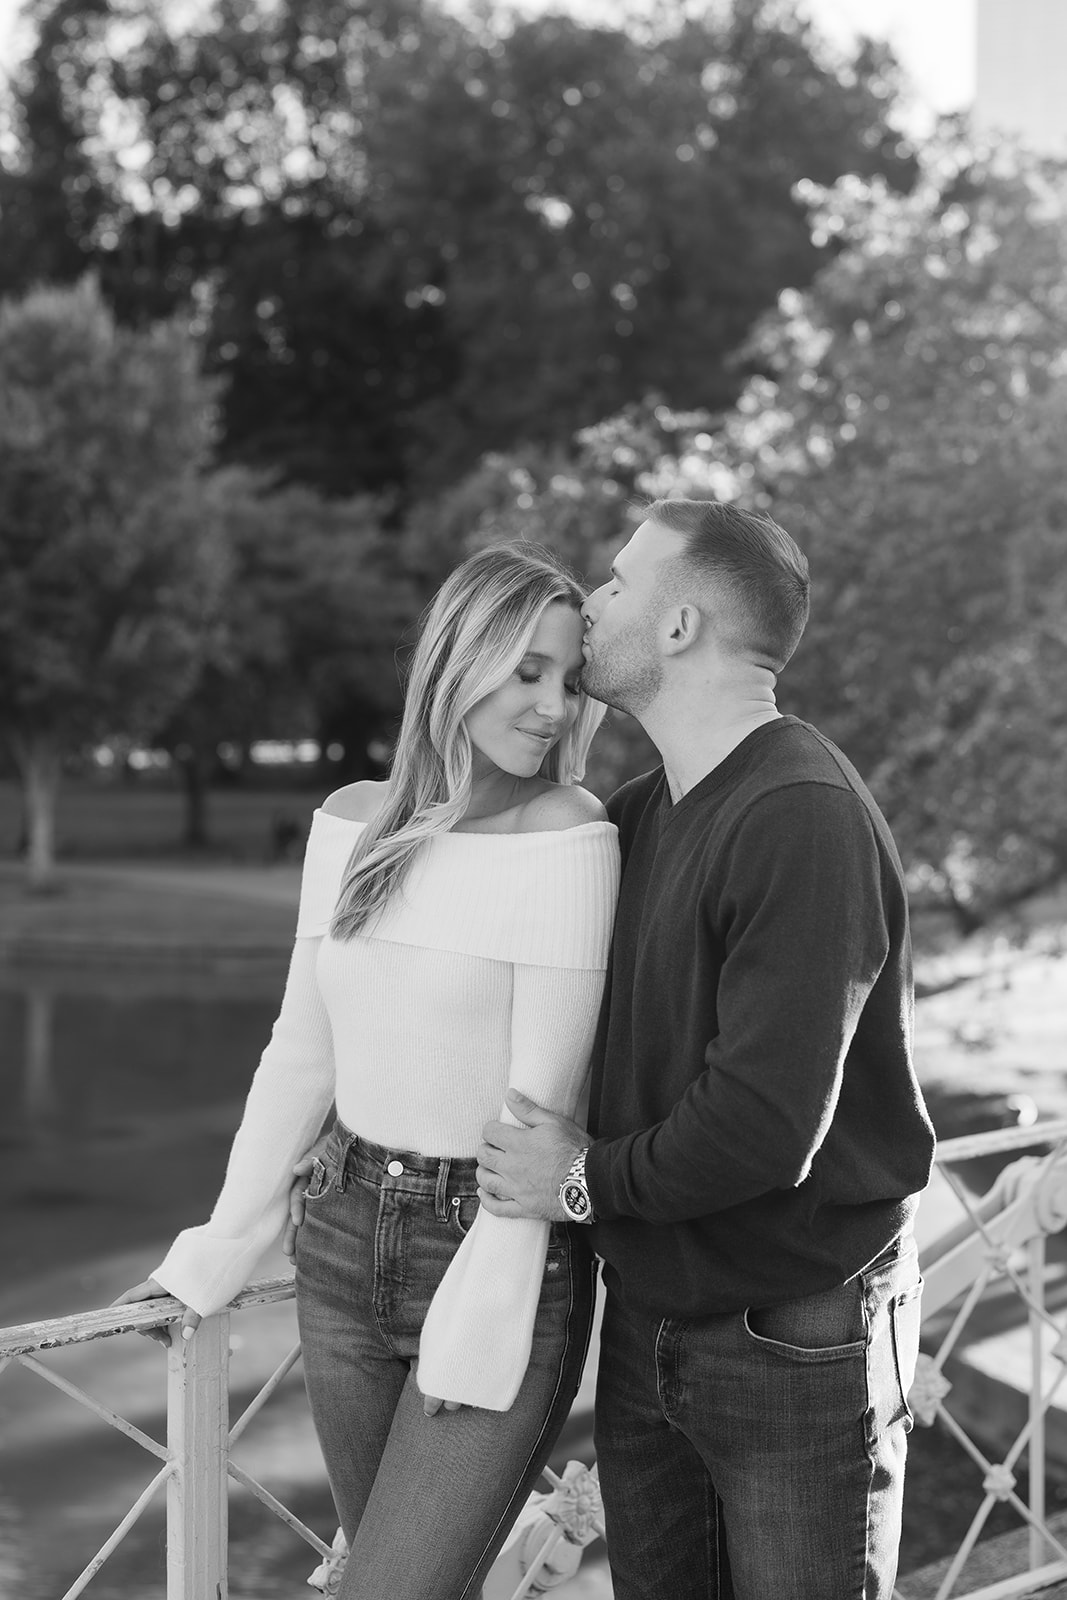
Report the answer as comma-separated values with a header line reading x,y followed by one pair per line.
x,y
437,1177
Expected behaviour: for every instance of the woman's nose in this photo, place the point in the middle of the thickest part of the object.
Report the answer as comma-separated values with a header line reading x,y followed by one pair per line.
x,y
552,702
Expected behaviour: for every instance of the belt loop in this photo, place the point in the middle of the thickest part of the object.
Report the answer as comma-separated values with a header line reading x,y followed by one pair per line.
x,y
440,1196
341,1177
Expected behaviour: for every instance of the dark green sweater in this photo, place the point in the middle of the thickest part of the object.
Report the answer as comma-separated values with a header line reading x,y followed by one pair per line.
x,y
759,1131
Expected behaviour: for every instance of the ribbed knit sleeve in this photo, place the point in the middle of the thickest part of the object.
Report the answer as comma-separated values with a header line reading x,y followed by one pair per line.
x,y
478,1332
290,1095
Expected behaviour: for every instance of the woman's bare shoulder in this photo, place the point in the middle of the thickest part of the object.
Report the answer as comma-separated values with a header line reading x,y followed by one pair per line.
x,y
356,802
560,806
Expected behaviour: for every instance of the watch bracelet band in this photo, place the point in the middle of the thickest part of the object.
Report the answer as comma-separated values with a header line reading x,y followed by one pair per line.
x,y
575,1176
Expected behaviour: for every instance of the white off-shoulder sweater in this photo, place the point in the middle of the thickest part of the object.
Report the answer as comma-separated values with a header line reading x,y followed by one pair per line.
x,y
484,971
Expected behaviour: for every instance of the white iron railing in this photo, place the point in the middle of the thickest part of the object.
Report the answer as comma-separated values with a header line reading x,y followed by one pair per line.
x,y
1000,1238
194,1463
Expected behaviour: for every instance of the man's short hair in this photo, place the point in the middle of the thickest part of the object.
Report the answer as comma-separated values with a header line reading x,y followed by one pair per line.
x,y
761,572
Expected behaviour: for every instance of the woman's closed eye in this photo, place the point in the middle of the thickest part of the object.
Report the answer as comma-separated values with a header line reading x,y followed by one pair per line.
x,y
572,685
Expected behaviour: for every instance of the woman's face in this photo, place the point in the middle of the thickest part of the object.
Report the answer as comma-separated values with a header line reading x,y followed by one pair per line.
x,y
515,727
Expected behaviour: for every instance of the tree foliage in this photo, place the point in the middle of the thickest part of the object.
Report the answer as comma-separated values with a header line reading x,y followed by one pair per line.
x,y
910,434
415,238
304,630
104,579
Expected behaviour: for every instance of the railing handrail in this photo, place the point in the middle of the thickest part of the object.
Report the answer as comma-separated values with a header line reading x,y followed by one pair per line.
x,y
29,1338
80,1327
969,1146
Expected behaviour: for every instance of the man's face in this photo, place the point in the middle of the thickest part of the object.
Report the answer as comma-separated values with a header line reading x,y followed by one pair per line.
x,y
623,665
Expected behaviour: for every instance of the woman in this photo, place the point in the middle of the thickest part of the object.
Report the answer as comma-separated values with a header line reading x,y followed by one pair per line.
x,y
451,942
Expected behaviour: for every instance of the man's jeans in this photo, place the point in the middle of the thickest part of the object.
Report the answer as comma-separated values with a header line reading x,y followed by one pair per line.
x,y
760,1455
425,1502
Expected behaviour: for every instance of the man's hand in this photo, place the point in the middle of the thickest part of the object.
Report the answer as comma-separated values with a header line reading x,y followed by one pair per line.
x,y
520,1169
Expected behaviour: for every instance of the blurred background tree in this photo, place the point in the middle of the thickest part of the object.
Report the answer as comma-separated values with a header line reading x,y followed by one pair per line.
x,y
105,582
311,611
909,432
415,238
469,277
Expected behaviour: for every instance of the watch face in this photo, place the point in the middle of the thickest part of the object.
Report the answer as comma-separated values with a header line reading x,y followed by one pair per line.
x,y
575,1201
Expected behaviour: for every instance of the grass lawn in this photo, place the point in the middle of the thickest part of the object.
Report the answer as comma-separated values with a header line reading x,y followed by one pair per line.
x,y
108,821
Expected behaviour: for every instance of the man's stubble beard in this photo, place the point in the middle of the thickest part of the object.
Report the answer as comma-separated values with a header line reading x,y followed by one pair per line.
x,y
627,676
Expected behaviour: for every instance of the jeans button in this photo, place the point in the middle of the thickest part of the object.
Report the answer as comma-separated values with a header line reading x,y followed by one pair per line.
x,y
395,1168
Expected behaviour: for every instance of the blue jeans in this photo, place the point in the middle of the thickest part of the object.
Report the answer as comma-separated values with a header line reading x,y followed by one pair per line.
x,y
425,1502
759,1455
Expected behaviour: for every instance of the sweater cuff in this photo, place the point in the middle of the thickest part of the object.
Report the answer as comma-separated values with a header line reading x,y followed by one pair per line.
x,y
476,1339
597,1181
205,1272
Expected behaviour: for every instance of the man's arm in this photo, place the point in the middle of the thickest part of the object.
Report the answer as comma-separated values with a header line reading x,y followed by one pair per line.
x,y
806,939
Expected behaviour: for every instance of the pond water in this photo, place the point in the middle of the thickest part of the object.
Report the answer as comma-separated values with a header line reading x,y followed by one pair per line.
x,y
120,1092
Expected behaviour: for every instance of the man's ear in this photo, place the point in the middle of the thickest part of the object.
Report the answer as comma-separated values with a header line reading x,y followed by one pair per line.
x,y
681,628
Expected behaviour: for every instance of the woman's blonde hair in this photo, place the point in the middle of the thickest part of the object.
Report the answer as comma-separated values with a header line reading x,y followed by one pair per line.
x,y
473,636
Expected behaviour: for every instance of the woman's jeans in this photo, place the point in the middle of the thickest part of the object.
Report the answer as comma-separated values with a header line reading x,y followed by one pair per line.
x,y
760,1455
425,1502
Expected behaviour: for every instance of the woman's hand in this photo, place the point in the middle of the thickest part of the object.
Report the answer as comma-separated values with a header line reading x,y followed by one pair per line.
x,y
302,1172
151,1290
432,1406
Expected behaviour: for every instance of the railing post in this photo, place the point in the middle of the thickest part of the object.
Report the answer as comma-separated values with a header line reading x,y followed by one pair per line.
x,y
1035,1252
197,1429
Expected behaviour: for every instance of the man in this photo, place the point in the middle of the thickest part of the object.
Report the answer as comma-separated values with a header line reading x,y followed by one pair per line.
x,y
756,1134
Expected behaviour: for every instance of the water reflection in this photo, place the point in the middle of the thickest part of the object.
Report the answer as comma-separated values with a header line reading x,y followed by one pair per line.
x,y
120,1092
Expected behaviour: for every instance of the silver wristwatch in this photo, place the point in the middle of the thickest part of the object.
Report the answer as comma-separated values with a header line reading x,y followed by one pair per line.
x,y
573,1193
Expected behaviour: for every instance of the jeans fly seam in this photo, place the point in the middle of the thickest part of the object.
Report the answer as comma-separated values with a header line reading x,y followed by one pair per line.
x,y
379,1274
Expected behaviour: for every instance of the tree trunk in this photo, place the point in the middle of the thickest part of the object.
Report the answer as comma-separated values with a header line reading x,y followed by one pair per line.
x,y
37,757
40,1090
193,769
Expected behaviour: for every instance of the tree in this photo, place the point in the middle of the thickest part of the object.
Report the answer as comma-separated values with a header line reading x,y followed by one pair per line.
x,y
910,434
304,631
104,580
57,193
415,238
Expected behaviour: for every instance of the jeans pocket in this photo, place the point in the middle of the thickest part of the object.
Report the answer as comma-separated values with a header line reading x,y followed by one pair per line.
x,y
906,1320
320,1183
828,1326
462,1210
558,1254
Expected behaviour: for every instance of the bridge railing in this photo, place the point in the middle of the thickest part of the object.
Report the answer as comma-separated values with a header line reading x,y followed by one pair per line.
x,y
998,1240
